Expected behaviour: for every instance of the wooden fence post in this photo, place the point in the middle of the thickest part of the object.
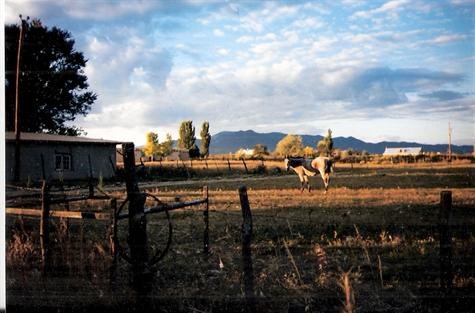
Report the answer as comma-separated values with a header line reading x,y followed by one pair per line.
x,y
206,220
113,240
445,215
186,169
246,237
137,220
44,227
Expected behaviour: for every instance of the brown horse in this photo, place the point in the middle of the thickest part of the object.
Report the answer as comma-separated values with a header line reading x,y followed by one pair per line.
x,y
305,168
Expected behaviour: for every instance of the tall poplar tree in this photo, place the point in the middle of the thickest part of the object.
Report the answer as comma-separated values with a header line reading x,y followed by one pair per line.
x,y
205,140
187,135
325,146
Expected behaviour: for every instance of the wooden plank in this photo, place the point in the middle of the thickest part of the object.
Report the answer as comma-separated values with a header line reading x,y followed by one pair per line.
x,y
23,211
63,214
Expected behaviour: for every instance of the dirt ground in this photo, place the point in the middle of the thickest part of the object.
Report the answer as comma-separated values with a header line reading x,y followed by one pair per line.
x,y
370,244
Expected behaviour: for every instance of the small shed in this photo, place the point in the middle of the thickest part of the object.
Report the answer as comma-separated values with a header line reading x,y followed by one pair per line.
x,y
407,151
56,157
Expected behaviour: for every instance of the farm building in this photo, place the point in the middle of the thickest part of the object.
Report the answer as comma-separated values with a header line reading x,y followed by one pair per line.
x,y
138,155
244,153
51,157
178,154
412,151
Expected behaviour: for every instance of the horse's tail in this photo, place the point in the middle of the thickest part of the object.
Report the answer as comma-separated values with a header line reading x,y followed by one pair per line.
x,y
328,166
308,172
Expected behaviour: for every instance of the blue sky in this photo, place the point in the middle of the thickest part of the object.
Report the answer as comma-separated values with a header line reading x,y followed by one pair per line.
x,y
375,70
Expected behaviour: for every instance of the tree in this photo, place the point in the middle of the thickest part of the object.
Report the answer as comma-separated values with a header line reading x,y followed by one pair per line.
x,y
53,88
187,135
260,151
290,145
205,140
308,151
194,152
166,146
152,148
325,146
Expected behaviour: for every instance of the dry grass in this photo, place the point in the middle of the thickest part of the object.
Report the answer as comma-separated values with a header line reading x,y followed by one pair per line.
x,y
354,249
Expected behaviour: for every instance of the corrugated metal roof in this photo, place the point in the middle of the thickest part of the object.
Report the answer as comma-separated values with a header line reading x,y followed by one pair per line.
x,y
403,151
10,136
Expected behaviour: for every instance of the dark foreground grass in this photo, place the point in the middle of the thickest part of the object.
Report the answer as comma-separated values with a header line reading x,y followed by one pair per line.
x,y
384,241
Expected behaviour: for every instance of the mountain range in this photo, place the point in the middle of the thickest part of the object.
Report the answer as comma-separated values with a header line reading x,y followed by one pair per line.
x,y
231,141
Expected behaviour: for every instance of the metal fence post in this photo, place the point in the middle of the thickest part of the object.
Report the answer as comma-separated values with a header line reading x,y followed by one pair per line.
x,y
246,236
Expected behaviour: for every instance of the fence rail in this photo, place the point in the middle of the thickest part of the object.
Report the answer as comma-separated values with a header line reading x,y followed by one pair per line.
x,y
60,214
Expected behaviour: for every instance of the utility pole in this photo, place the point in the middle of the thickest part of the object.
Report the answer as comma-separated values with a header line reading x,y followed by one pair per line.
x,y
450,143
23,27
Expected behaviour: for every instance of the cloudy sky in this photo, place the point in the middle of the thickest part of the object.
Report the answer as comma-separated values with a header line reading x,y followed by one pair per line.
x,y
376,70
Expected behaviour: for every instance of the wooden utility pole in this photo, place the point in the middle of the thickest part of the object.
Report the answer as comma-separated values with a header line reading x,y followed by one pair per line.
x,y
23,26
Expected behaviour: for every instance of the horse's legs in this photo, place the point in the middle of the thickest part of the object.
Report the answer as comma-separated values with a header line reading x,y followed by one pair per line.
x,y
306,182
326,180
302,182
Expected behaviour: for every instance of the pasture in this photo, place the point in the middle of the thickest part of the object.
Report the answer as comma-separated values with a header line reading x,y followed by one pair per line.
x,y
369,244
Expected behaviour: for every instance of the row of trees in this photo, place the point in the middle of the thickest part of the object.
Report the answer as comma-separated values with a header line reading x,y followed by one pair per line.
x,y
292,145
186,141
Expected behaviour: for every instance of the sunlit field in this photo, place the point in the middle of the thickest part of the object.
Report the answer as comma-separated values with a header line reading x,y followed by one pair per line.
x,y
370,244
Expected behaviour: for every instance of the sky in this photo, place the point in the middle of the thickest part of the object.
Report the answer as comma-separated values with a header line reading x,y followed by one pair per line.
x,y
375,70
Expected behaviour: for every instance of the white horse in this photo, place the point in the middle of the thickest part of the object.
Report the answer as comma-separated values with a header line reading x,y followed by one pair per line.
x,y
305,168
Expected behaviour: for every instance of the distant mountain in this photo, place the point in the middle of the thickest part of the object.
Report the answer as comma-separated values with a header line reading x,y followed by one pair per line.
x,y
229,141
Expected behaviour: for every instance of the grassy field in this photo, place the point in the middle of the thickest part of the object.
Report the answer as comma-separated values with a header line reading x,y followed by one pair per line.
x,y
369,244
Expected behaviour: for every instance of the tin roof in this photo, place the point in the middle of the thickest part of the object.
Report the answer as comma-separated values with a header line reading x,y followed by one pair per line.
x,y
41,137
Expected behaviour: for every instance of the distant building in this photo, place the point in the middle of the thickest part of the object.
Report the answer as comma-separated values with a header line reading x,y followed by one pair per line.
x,y
138,155
247,153
413,151
51,157
178,154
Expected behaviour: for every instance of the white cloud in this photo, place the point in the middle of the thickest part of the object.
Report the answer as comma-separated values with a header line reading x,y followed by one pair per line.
x,y
96,10
391,6
24,7
223,51
448,38
309,22
462,2
218,33
354,2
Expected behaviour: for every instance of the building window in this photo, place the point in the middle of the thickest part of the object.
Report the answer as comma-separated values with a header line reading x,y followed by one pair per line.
x,y
62,162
